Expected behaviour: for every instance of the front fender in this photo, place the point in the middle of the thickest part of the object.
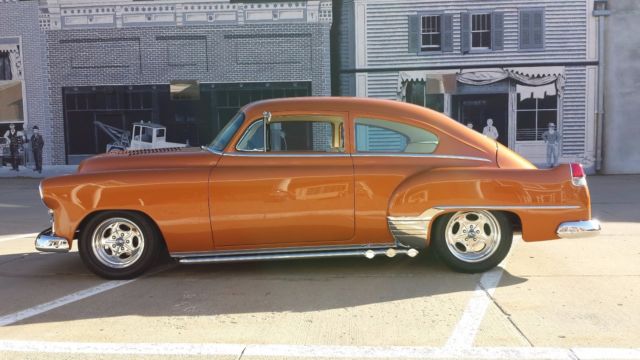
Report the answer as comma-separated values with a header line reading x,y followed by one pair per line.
x,y
542,199
176,200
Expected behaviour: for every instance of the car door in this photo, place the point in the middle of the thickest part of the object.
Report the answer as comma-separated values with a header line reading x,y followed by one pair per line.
x,y
299,192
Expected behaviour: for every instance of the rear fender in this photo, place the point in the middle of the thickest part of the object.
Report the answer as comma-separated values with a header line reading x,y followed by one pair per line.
x,y
542,199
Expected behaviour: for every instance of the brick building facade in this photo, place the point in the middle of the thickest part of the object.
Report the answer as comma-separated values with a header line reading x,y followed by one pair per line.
x,y
23,73
124,61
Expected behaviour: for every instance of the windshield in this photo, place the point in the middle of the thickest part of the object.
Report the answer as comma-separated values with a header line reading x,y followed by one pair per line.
x,y
222,140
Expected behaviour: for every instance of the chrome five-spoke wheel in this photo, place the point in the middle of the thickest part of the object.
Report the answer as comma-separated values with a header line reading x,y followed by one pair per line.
x,y
472,236
472,241
119,244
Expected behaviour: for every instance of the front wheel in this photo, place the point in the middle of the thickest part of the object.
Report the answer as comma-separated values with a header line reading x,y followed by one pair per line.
x,y
472,241
118,245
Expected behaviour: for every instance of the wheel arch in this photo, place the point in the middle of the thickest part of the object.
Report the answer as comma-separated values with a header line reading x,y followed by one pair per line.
x,y
95,213
513,218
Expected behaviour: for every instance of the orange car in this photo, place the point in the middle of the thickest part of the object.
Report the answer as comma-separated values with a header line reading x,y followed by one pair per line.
x,y
337,177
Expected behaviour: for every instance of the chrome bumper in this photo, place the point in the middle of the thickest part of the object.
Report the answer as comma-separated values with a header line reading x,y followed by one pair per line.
x,y
579,229
47,242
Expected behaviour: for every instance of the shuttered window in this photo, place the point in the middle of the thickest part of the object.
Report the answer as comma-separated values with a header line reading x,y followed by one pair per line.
x,y
430,33
481,31
531,29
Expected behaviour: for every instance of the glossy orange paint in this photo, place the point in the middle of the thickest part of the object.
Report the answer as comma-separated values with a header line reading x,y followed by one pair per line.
x,y
203,201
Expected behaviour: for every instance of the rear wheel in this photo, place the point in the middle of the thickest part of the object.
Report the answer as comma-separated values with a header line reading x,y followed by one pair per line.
x,y
472,241
118,245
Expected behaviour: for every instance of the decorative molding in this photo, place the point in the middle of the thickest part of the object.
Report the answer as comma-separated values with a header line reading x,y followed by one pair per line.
x,y
61,14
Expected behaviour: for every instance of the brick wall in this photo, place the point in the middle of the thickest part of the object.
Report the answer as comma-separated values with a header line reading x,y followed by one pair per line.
x,y
20,19
156,55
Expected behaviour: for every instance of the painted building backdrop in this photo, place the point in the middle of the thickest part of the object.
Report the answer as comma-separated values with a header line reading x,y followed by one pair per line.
x,y
519,64
68,65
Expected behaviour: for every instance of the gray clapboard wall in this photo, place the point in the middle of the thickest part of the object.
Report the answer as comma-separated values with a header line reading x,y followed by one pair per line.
x,y
387,47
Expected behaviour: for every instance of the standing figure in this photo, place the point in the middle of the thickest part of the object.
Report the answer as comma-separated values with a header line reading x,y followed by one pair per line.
x,y
552,138
490,130
37,143
14,137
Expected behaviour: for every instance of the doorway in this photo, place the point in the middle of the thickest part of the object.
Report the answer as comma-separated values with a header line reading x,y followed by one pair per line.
x,y
477,109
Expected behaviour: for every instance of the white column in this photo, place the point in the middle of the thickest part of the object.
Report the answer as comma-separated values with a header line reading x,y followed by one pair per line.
x,y
360,27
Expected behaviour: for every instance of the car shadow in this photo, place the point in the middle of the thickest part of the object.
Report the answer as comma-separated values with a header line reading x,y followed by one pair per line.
x,y
295,286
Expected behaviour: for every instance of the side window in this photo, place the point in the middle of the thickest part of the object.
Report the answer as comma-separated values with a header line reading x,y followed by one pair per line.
x,y
374,135
295,133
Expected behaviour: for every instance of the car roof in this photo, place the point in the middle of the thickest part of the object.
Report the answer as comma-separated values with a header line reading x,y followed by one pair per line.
x,y
386,108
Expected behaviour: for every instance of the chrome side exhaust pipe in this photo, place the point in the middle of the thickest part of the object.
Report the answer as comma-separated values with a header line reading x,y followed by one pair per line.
x,y
368,253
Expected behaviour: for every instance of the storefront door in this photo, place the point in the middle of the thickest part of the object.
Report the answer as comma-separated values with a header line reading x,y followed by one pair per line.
x,y
486,113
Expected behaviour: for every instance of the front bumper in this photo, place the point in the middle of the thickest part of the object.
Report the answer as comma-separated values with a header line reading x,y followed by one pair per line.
x,y
579,229
46,241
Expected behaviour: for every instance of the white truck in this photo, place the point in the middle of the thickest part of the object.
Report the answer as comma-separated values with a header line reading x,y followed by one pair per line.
x,y
146,135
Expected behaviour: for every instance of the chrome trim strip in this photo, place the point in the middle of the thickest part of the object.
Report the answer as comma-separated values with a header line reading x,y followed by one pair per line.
x,y
211,150
282,250
46,241
435,156
368,253
510,207
579,229
273,154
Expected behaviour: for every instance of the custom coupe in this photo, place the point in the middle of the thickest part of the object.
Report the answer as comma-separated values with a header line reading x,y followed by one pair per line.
x,y
315,177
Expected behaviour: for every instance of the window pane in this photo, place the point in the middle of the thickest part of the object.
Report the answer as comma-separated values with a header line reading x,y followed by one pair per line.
x,y
374,135
415,92
526,126
549,102
253,138
302,135
527,103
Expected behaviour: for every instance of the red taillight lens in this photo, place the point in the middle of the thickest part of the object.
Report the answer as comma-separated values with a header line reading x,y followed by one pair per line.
x,y
577,174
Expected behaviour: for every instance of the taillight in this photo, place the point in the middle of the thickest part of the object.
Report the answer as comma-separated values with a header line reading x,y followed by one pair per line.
x,y
578,177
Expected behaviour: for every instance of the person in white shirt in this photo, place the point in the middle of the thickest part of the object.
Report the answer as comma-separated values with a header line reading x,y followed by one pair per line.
x,y
490,130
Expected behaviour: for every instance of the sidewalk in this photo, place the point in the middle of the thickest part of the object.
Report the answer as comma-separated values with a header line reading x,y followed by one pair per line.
x,y
27,172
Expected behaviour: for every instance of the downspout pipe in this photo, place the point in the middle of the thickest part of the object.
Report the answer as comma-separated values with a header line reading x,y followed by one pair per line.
x,y
600,10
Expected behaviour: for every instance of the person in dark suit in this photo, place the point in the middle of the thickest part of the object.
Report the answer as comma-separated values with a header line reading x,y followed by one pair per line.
x,y
37,143
15,139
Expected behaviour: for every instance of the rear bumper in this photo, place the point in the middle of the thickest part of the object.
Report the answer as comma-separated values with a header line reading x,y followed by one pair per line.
x,y
46,241
579,229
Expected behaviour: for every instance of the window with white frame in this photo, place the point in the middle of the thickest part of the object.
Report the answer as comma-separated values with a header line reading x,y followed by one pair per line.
x,y
431,31
481,31
534,116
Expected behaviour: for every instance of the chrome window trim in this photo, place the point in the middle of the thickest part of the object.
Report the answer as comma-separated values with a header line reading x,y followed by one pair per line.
x,y
435,156
211,150
245,135
283,154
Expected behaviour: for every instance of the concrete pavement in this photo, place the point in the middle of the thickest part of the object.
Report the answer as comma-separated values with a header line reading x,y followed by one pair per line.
x,y
557,299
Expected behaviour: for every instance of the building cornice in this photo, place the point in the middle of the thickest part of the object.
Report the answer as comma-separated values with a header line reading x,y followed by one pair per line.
x,y
66,14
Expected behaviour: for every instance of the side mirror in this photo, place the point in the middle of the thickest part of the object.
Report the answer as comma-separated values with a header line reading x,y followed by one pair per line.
x,y
266,119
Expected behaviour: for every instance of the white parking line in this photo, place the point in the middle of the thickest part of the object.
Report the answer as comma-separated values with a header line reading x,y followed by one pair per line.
x,y
17,236
82,294
465,331
464,334
317,351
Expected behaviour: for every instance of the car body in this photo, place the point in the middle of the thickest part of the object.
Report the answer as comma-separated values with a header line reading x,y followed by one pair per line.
x,y
339,177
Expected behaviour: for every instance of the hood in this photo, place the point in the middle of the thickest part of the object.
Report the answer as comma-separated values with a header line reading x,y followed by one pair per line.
x,y
168,158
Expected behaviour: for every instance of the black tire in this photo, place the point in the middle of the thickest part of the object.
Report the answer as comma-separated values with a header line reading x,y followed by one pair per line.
x,y
439,244
144,260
